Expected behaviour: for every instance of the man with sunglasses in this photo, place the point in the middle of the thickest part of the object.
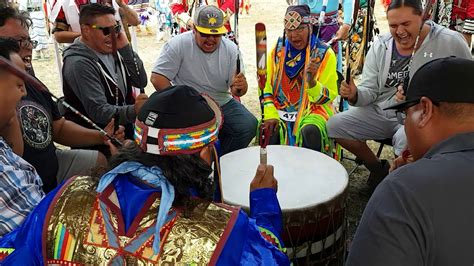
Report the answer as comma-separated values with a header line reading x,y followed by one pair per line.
x,y
99,71
421,214
204,60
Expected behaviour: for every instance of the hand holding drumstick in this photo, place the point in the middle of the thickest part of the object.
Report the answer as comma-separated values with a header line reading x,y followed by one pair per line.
x,y
264,178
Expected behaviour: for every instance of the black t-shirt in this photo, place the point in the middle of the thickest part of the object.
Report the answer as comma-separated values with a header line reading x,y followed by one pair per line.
x,y
398,70
37,111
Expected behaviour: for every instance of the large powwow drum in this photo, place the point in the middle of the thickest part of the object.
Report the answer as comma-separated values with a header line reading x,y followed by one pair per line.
x,y
312,190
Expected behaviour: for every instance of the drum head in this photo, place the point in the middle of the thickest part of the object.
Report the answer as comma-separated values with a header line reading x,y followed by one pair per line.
x,y
306,178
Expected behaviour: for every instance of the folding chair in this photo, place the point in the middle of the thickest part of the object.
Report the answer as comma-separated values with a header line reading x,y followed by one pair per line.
x,y
358,162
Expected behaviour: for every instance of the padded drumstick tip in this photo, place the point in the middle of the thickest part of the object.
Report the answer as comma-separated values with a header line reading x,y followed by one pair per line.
x,y
263,156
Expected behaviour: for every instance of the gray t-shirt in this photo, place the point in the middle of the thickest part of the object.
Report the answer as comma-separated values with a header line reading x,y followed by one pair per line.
x,y
184,63
422,213
112,67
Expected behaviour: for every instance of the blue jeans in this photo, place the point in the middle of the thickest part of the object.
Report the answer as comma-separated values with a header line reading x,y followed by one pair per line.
x,y
239,127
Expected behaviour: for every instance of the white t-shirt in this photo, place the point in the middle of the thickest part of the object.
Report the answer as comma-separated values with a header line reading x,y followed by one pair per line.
x,y
184,63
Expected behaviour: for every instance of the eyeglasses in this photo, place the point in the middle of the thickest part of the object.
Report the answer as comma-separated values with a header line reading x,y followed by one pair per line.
x,y
402,114
106,30
25,42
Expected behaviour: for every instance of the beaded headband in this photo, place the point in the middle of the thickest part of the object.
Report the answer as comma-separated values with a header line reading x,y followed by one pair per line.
x,y
166,141
294,19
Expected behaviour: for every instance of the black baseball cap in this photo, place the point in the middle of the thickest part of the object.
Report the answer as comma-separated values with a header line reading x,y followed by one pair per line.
x,y
447,79
178,107
177,120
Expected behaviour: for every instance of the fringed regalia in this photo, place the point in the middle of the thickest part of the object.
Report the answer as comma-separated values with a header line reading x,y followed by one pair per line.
x,y
287,96
362,35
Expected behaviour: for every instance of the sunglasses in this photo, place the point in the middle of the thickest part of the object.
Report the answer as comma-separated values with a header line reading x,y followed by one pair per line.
x,y
107,30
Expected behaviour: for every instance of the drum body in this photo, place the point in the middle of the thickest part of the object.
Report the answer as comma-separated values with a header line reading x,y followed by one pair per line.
x,y
312,190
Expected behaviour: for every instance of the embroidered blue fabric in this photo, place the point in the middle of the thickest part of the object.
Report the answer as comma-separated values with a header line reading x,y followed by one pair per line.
x,y
27,239
244,246
155,178
132,195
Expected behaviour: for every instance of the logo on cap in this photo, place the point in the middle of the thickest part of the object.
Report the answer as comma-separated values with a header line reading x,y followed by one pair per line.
x,y
150,120
212,19
209,20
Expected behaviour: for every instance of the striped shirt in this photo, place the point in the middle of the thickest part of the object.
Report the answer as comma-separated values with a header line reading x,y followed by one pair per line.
x,y
20,189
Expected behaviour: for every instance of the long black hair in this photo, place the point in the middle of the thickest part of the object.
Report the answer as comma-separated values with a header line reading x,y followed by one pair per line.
x,y
182,171
415,4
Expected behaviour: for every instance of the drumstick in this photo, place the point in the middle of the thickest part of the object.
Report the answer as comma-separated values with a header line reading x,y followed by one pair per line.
x,y
261,48
263,155
355,11
320,22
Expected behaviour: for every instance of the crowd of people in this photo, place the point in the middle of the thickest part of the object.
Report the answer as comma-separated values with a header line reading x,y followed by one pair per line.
x,y
145,189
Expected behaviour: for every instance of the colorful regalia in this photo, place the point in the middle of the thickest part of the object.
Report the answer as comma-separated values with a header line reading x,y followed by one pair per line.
x,y
244,4
38,30
75,225
287,98
362,34
457,15
134,215
65,14
330,25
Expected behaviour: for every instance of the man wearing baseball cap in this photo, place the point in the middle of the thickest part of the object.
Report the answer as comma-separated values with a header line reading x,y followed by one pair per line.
x,y
421,214
206,61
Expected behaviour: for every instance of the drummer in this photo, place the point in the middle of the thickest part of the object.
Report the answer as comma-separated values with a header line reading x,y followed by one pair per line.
x,y
421,214
301,85
159,189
